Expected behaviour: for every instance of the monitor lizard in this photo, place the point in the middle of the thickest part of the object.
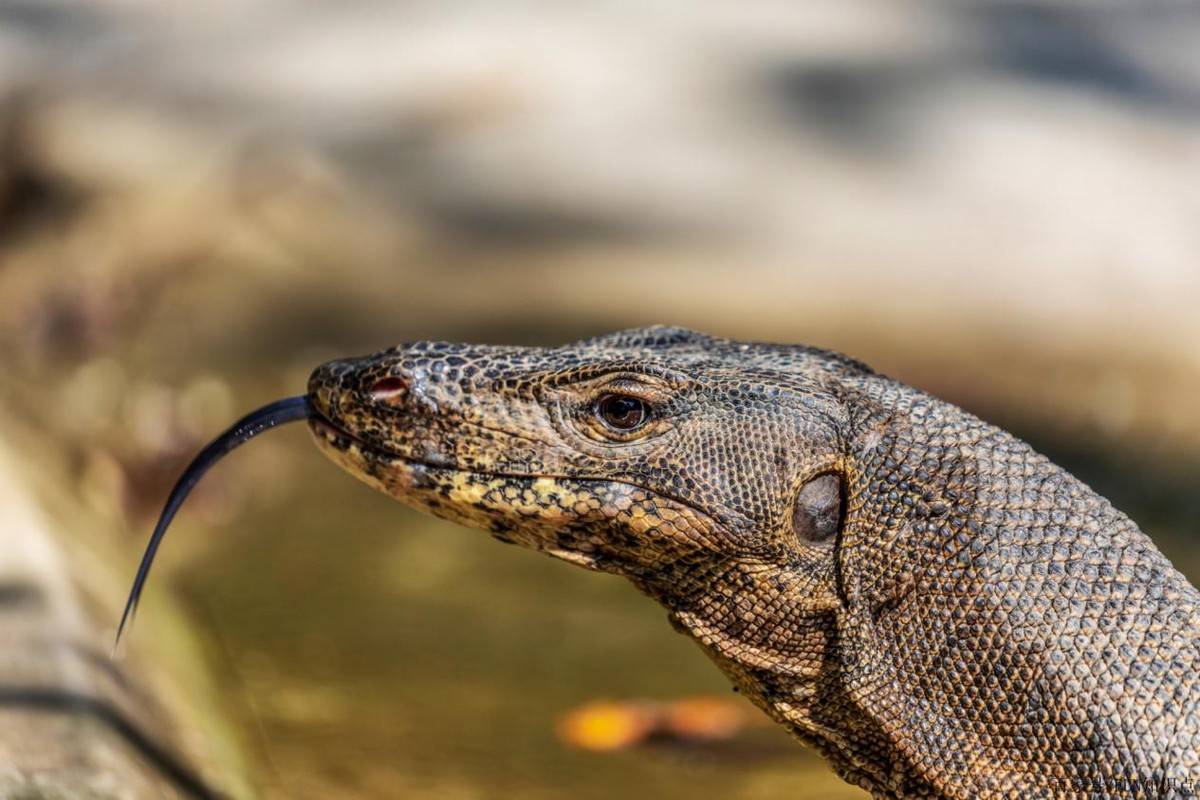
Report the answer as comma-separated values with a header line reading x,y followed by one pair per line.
x,y
920,596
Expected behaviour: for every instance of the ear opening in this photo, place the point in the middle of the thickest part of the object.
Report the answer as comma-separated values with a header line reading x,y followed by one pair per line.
x,y
819,509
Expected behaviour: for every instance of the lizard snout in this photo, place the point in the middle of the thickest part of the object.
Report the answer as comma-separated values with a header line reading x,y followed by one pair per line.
x,y
399,402
329,382
343,387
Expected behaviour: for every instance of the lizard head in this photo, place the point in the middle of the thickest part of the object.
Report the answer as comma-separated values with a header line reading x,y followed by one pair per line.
x,y
710,472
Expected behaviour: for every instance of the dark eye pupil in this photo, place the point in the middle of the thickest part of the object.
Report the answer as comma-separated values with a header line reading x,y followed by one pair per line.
x,y
622,412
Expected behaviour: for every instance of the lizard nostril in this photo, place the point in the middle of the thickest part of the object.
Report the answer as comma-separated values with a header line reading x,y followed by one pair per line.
x,y
386,389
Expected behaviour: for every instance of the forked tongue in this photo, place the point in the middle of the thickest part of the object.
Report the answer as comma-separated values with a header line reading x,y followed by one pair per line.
x,y
293,409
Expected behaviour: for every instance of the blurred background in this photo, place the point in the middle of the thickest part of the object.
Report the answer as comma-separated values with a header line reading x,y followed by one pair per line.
x,y
998,202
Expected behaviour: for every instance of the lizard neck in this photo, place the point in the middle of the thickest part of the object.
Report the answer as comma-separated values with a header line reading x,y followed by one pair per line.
x,y
1007,628
807,692
989,641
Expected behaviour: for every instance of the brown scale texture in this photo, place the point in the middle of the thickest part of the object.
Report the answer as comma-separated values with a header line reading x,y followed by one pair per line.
x,y
977,624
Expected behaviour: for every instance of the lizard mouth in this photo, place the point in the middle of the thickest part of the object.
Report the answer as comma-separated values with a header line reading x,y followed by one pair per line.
x,y
442,488
342,441
340,438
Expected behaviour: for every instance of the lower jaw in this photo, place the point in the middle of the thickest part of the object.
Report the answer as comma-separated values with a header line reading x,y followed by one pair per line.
x,y
464,496
451,494
530,510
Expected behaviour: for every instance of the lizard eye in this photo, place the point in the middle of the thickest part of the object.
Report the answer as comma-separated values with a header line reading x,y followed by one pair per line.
x,y
622,412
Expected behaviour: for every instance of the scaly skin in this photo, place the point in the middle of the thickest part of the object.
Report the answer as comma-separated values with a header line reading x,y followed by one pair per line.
x,y
949,615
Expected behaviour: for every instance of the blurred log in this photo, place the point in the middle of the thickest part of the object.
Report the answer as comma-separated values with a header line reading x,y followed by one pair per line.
x,y
74,723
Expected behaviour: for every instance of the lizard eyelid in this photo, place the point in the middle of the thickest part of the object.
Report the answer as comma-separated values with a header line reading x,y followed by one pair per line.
x,y
618,411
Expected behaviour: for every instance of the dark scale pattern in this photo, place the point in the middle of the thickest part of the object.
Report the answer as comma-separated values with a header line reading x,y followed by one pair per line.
x,y
978,624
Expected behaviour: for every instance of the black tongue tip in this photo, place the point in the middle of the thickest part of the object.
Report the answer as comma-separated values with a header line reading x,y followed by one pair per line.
x,y
291,409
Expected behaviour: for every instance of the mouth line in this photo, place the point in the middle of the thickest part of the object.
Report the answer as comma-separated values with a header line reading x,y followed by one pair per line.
x,y
331,432
337,435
